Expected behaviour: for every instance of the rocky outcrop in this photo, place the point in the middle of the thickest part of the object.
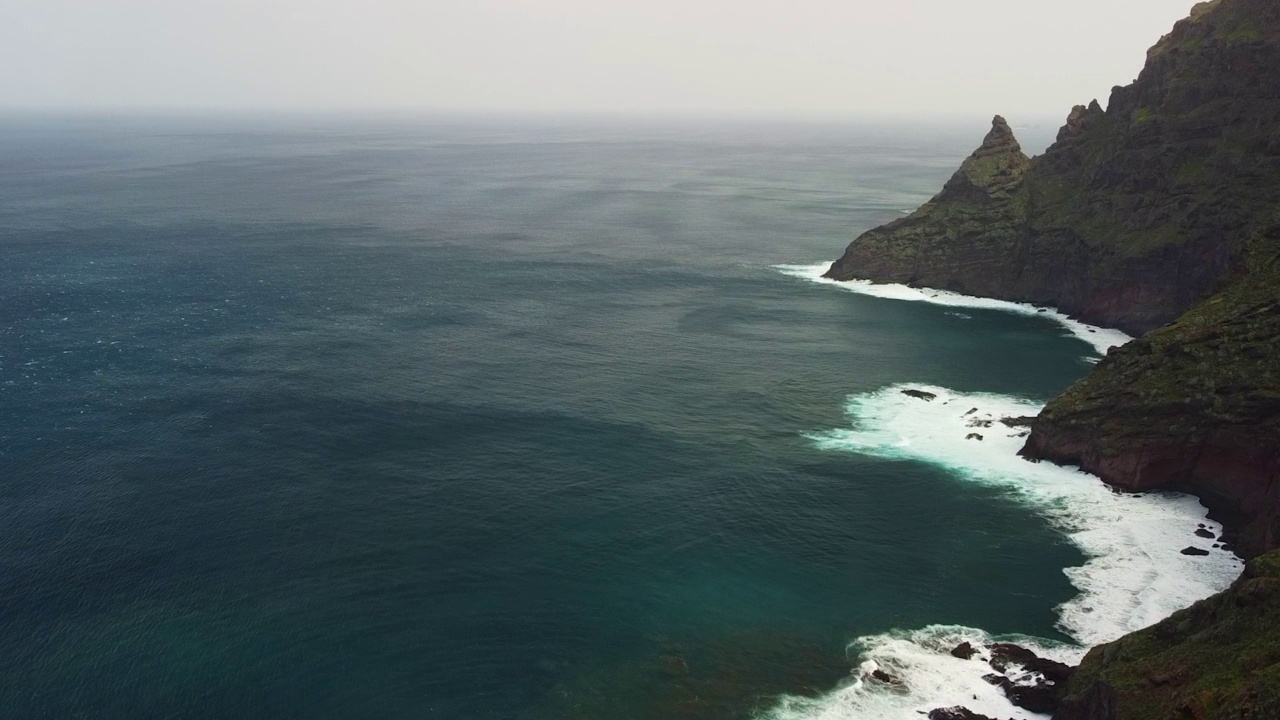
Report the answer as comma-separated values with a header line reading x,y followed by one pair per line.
x,y
956,713
1042,691
1135,213
1193,406
960,239
1026,679
1216,660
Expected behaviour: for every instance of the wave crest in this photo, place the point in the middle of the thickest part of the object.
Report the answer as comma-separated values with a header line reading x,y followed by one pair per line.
x,y
1101,339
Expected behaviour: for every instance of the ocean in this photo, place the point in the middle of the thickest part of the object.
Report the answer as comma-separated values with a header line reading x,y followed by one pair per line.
x,y
308,416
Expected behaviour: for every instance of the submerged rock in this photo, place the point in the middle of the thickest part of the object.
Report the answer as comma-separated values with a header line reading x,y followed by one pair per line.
x,y
920,395
672,666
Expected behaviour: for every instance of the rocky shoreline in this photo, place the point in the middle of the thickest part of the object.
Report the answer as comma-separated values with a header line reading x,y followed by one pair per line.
x,y
1029,681
1159,215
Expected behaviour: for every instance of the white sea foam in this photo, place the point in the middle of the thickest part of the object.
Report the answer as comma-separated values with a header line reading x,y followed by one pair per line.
x,y
1100,338
1135,575
932,678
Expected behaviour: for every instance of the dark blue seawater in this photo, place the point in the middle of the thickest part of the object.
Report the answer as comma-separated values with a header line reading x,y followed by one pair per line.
x,y
307,417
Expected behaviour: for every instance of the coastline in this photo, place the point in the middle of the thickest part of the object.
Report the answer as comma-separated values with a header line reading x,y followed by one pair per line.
x,y
1100,338
931,424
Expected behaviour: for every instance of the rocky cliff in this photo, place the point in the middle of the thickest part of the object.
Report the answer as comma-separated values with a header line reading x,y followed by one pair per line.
x,y
1194,405
964,237
1135,213
1217,660
1158,215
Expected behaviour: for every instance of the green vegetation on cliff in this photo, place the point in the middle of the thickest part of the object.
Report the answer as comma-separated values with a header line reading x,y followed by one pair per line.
x,y
1135,213
1194,405
979,210
1217,660
1157,214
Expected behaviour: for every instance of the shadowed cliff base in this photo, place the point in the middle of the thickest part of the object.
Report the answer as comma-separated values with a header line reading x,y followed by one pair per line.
x,y
1193,406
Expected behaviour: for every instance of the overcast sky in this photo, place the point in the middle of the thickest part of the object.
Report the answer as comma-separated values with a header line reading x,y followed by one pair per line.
x,y
806,58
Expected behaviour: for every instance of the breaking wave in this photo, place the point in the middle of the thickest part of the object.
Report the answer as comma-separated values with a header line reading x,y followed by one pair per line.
x,y
1135,576
1100,338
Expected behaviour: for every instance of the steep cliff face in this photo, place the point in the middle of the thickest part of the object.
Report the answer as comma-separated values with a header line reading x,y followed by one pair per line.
x,y
1217,660
1194,405
962,238
1136,212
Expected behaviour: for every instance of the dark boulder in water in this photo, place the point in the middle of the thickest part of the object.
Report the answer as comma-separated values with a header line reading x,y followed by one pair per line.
x,y
1194,551
1040,696
1005,654
973,436
1037,697
884,677
920,395
1205,533
964,650
956,713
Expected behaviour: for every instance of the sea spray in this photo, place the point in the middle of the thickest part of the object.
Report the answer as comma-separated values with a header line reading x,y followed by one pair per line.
x,y
931,678
1100,338
1135,575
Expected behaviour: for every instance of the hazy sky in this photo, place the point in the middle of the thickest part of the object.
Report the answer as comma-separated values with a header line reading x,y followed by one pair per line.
x,y
819,58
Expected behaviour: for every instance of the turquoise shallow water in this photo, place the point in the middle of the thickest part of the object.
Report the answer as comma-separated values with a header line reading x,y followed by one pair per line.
x,y
324,417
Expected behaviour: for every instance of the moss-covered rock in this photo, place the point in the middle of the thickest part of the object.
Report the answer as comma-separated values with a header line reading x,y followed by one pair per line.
x,y
1217,660
978,218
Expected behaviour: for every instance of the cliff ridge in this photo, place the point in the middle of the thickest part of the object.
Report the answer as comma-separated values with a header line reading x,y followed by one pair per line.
x,y
1136,212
